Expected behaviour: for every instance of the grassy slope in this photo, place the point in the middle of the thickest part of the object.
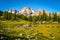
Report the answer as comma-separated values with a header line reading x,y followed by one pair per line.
x,y
41,28
52,29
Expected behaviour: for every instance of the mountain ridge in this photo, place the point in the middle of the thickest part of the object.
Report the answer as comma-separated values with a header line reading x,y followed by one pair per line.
x,y
29,11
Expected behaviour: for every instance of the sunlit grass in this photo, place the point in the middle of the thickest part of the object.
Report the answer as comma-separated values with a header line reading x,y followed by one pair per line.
x,y
41,28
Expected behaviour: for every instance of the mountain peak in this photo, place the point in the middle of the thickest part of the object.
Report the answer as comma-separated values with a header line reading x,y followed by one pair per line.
x,y
26,8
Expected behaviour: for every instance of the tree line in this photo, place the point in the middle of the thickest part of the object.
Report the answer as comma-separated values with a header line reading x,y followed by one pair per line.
x,y
40,18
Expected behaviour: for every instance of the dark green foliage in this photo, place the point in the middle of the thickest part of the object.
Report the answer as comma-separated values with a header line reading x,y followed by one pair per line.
x,y
34,19
55,16
40,18
7,16
44,16
1,12
58,19
30,18
49,18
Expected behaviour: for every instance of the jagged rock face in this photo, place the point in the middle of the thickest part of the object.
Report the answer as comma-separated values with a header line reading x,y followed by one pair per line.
x,y
27,11
12,11
39,12
30,12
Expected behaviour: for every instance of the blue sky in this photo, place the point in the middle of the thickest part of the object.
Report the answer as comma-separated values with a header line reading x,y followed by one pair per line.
x,y
47,5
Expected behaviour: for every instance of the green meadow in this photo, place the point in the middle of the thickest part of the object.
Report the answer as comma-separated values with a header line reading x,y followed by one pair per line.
x,y
20,27
49,31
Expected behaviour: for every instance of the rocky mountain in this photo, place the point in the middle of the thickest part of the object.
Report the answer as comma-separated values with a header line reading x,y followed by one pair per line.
x,y
27,11
12,11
